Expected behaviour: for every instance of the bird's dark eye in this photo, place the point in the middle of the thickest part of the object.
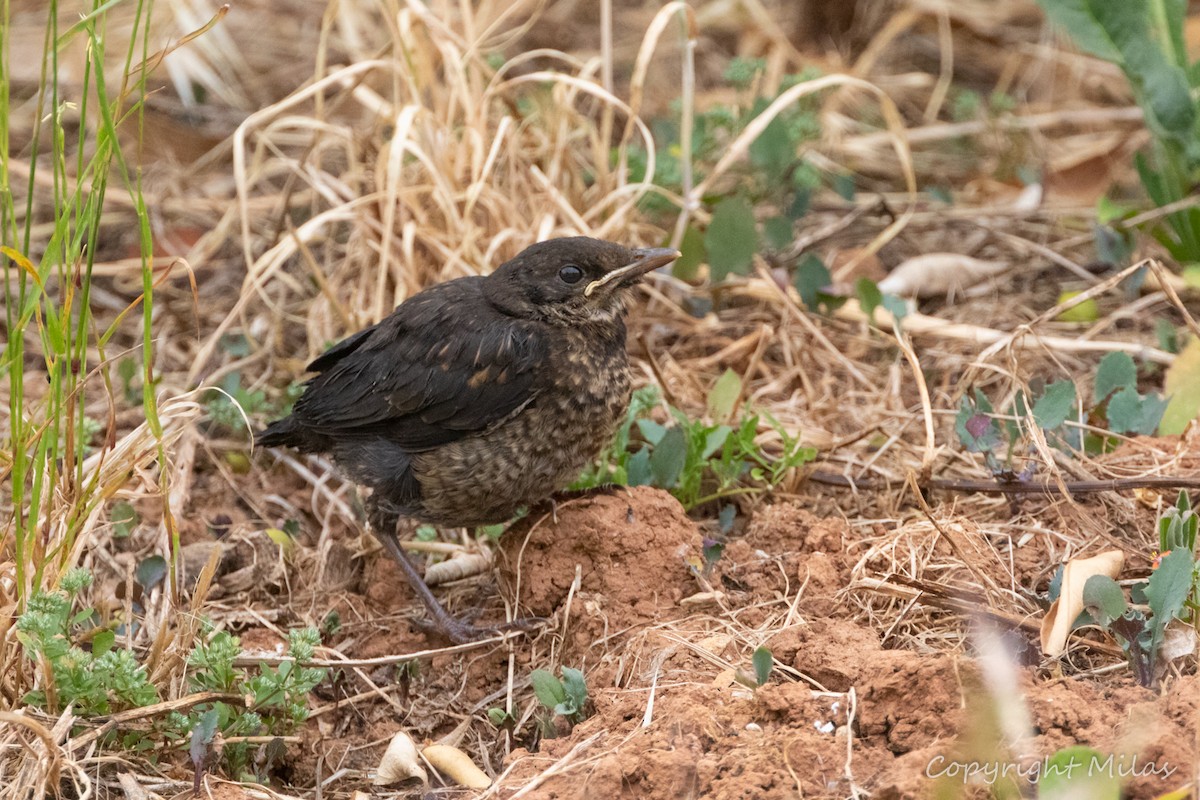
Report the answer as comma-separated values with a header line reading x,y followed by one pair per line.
x,y
570,274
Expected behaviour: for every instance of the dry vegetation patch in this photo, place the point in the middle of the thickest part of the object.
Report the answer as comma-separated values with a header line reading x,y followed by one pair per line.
x,y
308,167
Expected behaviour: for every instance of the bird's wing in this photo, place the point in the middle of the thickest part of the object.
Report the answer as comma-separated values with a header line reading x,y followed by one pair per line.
x,y
443,365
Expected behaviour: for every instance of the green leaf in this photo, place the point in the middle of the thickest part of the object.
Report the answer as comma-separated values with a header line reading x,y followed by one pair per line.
x,y
1150,414
1103,599
1182,387
843,184
763,661
714,440
124,518
1087,311
652,431
151,571
800,201
691,249
102,642
1125,411
668,458
1191,276
1168,587
575,686
976,430
1109,211
724,395
778,232
202,735
731,239
811,279
1115,371
1122,32
1075,18
1055,405
773,150
549,689
1079,771
896,306
869,296
637,469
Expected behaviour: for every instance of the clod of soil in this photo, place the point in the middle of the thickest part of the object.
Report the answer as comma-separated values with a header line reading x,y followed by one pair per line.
x,y
631,549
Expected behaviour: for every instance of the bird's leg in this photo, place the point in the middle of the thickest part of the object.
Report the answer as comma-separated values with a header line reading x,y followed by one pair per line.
x,y
383,527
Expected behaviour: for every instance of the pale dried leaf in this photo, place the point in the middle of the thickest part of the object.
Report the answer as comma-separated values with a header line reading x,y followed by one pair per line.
x,y
1179,640
1056,626
400,762
456,765
939,274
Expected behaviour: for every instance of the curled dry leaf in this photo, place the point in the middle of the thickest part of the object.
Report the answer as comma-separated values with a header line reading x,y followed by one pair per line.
x,y
456,765
938,274
1056,626
1179,640
400,762
457,567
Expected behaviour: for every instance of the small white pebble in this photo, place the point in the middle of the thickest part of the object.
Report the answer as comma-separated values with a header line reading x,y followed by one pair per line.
x,y
753,727
823,727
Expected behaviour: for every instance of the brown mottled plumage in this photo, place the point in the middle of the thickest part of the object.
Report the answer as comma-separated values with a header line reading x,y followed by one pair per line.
x,y
477,396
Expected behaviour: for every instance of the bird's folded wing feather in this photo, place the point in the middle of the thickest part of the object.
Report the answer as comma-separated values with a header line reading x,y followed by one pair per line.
x,y
431,373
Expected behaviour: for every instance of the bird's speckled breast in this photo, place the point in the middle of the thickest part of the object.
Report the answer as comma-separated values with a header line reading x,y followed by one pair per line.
x,y
581,395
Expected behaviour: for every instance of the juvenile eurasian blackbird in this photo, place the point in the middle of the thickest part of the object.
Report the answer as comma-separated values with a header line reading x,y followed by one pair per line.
x,y
479,395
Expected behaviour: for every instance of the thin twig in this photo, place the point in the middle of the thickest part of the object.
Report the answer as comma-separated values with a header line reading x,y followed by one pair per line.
x,y
1013,487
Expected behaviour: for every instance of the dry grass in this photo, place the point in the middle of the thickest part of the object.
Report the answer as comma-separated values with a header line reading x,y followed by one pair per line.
x,y
408,155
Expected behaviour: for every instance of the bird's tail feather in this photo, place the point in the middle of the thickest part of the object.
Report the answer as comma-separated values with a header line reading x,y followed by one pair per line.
x,y
287,432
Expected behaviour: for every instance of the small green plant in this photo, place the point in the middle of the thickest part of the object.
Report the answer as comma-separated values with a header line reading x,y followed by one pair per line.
x,y
697,461
1146,41
225,408
1177,526
566,698
1080,771
1171,592
94,681
278,695
80,667
763,661
501,718
1116,404
775,175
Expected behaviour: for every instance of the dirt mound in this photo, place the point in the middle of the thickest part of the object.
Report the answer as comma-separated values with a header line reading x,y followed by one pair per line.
x,y
629,550
851,707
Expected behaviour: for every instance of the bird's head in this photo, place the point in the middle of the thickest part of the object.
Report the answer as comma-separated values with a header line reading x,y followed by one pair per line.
x,y
572,280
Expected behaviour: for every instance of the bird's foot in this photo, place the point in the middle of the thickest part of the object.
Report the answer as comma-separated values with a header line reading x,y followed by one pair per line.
x,y
602,490
463,631
591,491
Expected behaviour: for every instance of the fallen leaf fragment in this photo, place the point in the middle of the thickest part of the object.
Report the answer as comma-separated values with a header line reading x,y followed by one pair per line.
x,y
1056,626
456,765
457,567
1179,640
937,274
400,762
